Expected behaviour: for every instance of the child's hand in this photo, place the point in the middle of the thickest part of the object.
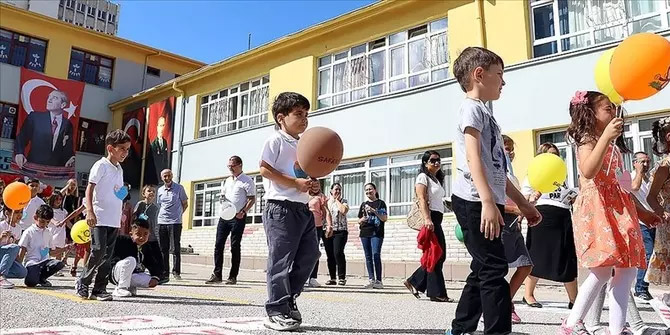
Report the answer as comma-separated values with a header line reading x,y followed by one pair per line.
x,y
302,184
532,215
613,129
492,220
91,220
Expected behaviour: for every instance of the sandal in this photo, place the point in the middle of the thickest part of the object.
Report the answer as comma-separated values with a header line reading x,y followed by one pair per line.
x,y
73,271
412,289
534,305
441,299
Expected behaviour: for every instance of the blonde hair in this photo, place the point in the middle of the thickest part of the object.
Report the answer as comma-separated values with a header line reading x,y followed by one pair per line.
x,y
66,189
144,189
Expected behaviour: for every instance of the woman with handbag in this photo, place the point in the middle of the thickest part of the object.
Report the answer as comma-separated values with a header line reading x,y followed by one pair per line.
x,y
429,188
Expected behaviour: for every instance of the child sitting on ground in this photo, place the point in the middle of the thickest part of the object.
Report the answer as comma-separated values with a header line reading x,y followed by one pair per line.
x,y
10,233
35,244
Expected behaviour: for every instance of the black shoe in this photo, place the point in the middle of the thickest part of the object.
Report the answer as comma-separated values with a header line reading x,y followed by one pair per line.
x,y
101,296
331,282
163,280
534,305
45,283
80,289
231,281
441,299
571,304
294,313
214,279
342,282
643,295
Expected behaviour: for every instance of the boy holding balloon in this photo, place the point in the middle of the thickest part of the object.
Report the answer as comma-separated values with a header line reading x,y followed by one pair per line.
x,y
104,197
479,193
289,225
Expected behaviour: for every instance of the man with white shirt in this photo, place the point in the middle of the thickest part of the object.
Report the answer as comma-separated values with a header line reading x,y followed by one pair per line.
x,y
640,187
49,135
240,190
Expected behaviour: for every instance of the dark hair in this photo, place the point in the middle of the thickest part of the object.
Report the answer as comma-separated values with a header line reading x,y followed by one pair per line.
x,y
52,199
286,102
117,137
507,140
659,129
141,223
545,147
45,212
470,59
236,159
639,153
33,180
582,128
373,186
335,184
423,169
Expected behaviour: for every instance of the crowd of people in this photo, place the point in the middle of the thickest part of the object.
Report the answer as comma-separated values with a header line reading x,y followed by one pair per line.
x,y
619,233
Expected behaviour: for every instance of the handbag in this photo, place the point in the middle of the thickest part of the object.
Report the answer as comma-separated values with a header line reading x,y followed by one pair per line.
x,y
414,217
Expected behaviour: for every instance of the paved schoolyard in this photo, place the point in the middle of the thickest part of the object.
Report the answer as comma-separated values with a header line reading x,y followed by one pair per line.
x,y
191,307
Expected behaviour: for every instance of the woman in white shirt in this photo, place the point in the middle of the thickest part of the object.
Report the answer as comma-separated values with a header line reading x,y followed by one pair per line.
x,y
430,191
551,244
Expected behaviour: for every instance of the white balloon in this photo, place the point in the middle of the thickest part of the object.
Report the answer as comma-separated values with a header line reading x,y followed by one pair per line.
x,y
228,210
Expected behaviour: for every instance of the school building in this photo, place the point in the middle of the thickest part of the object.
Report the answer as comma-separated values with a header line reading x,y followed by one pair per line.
x,y
381,77
111,67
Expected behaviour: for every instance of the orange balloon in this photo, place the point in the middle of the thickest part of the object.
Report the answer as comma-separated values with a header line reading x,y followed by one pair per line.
x,y
16,195
640,66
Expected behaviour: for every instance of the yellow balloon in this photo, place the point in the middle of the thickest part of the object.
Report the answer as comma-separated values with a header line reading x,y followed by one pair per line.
x,y
547,172
80,232
603,78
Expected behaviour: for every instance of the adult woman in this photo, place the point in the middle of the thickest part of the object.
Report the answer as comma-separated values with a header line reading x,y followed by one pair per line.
x,y
318,205
429,188
371,216
338,208
551,244
70,194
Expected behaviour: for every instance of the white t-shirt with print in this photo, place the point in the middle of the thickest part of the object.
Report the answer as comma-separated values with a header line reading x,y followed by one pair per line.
x,y
236,190
16,230
108,179
436,192
280,151
58,233
562,197
35,240
29,212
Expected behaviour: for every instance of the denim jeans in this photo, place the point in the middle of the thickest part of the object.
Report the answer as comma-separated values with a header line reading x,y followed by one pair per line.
x,y
648,237
9,267
372,246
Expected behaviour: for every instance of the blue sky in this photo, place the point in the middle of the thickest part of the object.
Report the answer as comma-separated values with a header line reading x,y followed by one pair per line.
x,y
210,31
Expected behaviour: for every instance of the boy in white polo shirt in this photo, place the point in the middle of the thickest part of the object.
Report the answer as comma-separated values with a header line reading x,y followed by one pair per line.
x,y
104,196
35,244
32,206
289,224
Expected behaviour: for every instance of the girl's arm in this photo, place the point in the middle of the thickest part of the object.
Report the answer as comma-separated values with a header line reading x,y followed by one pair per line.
x,y
592,154
74,214
659,178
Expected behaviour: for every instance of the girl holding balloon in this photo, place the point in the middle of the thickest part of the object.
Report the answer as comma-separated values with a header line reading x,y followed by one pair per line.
x,y
606,226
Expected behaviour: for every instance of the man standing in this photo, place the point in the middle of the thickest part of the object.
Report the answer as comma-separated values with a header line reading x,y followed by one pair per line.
x,y
172,202
640,186
48,133
159,147
239,189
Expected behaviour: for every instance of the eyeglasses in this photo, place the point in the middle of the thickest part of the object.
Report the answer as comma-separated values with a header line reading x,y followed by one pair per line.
x,y
434,161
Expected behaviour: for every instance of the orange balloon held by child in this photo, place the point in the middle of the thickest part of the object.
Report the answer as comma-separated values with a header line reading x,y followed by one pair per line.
x,y
320,151
16,195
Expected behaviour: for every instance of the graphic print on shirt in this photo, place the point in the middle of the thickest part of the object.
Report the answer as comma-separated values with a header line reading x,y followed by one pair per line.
x,y
374,219
121,192
298,172
497,153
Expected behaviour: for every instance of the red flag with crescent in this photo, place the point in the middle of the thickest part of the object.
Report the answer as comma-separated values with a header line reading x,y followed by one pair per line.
x,y
134,125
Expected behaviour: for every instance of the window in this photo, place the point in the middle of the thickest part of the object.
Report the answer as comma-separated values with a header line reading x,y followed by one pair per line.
x,y
8,116
102,15
92,136
238,107
80,7
91,11
69,3
91,68
584,23
394,177
22,50
153,71
207,196
392,63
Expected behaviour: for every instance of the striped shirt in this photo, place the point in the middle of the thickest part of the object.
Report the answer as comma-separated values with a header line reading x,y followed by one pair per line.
x,y
339,219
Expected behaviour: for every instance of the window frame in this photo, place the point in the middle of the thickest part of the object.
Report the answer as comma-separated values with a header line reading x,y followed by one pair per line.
x,y
6,109
153,71
97,63
328,99
259,85
24,41
254,216
590,32
81,129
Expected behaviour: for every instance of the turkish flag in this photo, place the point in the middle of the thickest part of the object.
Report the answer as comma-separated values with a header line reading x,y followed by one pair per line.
x,y
47,127
134,125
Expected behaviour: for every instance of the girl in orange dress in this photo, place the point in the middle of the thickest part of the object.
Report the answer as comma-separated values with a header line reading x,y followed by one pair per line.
x,y
605,222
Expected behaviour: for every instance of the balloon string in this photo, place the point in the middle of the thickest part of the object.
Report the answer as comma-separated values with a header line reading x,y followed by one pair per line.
x,y
619,113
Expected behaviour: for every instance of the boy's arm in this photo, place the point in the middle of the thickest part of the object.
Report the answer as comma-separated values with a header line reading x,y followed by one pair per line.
x,y
91,220
491,219
267,171
22,253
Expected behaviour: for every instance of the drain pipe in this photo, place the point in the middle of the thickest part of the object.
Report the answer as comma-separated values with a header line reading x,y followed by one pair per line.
x,y
180,151
146,60
482,23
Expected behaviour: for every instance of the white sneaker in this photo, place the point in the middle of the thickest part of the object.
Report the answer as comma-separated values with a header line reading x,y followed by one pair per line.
x,y
122,293
313,283
378,284
370,284
5,284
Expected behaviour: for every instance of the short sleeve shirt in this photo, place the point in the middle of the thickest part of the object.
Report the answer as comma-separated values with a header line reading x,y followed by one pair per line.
x,y
339,219
280,152
16,230
562,197
29,212
108,180
436,192
236,190
170,199
35,240
474,114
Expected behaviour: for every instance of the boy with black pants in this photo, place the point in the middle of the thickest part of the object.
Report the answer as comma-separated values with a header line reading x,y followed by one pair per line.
x,y
289,224
479,196
104,197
